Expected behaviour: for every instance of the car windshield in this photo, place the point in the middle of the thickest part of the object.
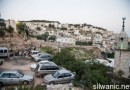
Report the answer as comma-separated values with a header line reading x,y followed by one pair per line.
x,y
40,56
20,74
55,74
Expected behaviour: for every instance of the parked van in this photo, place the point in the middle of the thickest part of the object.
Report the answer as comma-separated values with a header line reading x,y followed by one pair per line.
x,y
3,52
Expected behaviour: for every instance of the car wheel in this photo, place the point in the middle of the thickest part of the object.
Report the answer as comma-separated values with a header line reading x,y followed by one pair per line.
x,y
1,62
52,83
1,84
25,83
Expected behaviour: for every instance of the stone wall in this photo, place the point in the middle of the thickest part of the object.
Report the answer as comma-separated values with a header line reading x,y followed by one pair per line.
x,y
122,59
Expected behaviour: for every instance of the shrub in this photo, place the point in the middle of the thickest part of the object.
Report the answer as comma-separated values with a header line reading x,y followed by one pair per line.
x,y
86,74
48,49
83,43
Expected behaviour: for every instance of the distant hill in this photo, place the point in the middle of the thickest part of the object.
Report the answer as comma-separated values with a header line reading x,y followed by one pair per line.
x,y
47,21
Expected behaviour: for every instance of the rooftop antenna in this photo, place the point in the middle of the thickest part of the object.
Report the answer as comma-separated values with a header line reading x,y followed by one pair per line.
x,y
123,23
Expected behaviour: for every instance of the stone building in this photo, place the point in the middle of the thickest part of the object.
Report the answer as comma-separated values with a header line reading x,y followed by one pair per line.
x,y
122,53
2,24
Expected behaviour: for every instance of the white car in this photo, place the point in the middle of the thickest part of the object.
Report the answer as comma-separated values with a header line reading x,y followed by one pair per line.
x,y
34,53
33,66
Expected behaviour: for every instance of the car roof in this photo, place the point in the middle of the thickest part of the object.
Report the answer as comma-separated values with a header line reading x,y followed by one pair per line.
x,y
43,61
64,71
10,71
3,48
52,64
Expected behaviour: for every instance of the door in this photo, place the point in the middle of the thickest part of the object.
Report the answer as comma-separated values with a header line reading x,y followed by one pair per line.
x,y
60,78
15,79
52,69
67,77
5,79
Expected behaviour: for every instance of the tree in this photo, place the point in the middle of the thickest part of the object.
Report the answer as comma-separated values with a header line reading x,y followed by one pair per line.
x,y
87,74
10,30
43,36
38,28
52,38
23,29
20,27
51,26
2,33
120,73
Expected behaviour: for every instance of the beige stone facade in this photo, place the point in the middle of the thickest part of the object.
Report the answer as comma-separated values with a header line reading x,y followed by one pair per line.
x,y
122,59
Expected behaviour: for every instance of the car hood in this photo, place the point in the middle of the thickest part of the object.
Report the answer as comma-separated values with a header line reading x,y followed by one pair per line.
x,y
28,77
49,77
33,66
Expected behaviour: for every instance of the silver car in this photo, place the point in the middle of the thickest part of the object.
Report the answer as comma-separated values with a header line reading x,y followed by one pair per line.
x,y
43,69
33,66
59,77
14,77
42,57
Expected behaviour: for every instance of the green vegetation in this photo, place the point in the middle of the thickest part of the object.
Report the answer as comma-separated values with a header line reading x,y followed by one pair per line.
x,y
83,43
83,54
22,29
43,36
110,55
120,73
51,26
10,30
38,28
52,38
87,74
48,49
2,33
46,37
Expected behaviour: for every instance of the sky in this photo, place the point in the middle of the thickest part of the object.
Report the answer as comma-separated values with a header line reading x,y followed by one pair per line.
x,y
102,13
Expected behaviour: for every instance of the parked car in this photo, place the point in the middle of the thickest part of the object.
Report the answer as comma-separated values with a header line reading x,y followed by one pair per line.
x,y
4,52
14,77
43,69
33,53
59,77
36,55
42,57
33,66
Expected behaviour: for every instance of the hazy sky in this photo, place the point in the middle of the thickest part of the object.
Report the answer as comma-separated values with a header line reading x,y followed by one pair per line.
x,y
102,13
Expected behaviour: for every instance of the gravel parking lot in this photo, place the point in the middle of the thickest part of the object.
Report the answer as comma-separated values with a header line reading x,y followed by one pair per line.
x,y
20,63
